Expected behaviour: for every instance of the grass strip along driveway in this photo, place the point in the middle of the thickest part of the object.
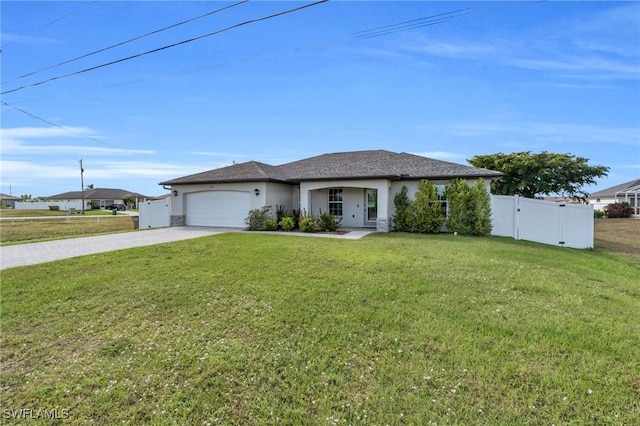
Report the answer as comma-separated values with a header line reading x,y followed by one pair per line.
x,y
264,329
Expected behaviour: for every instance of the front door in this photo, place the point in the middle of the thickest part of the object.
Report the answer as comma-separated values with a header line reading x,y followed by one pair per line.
x,y
371,203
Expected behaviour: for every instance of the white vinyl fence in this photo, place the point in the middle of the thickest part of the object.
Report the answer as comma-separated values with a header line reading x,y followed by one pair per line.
x,y
548,222
64,205
155,214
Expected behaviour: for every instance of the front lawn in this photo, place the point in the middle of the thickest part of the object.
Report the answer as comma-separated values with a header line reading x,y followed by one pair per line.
x,y
392,329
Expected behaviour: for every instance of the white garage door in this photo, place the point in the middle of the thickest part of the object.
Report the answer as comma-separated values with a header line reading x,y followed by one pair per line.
x,y
218,208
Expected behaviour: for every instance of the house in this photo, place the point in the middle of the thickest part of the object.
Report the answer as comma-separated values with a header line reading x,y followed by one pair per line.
x,y
8,201
100,197
358,187
628,191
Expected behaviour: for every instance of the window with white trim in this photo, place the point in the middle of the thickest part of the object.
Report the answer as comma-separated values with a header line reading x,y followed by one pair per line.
x,y
335,201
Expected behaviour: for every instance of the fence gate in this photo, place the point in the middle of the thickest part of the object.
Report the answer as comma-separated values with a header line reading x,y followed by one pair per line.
x,y
548,222
155,214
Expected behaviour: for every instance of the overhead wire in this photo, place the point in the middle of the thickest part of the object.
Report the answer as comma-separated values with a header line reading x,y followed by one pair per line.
x,y
66,129
129,40
48,24
190,40
357,35
411,24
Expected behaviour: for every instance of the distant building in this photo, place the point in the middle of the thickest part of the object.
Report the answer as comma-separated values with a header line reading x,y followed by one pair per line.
x,y
625,192
8,201
101,197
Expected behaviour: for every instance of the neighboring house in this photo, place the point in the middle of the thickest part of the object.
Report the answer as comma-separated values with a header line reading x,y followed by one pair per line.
x,y
101,197
628,191
358,187
8,201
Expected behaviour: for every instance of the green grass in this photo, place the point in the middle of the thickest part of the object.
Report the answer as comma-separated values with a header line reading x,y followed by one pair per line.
x,y
264,329
47,213
22,230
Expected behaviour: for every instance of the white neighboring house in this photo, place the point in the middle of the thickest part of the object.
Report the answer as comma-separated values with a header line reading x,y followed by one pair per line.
x,y
628,191
357,187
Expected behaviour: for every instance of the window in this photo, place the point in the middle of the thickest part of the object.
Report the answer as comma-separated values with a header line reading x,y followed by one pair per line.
x,y
335,201
442,198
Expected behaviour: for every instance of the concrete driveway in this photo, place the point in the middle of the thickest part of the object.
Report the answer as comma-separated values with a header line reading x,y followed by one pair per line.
x,y
34,253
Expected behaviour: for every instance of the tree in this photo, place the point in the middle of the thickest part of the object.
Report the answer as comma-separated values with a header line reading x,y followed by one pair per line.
x,y
426,210
90,186
402,203
535,175
469,208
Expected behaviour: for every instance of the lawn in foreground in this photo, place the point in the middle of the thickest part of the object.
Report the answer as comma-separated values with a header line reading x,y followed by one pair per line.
x,y
266,329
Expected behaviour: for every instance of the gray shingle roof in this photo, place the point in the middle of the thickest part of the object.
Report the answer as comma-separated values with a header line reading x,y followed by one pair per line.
x,y
95,194
611,192
341,166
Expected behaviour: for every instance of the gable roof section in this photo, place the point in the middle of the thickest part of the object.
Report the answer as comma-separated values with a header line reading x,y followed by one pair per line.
x,y
251,171
95,194
611,192
9,197
340,166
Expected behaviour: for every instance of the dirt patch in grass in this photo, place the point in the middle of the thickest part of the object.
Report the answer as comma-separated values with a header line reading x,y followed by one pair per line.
x,y
619,235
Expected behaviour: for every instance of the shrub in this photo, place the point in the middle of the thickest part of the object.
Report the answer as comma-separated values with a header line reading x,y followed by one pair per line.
x,y
257,219
271,225
619,210
280,213
307,224
54,208
327,222
458,197
598,214
426,210
287,223
402,203
480,209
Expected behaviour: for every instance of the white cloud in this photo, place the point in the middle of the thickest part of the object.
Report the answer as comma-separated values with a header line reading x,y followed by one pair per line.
x,y
443,155
547,132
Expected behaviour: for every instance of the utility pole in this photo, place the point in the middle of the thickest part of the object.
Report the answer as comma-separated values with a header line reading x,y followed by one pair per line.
x,y
82,183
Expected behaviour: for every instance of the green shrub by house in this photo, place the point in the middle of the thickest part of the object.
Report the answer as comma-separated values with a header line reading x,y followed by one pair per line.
x,y
619,210
426,210
401,219
469,208
257,219
287,223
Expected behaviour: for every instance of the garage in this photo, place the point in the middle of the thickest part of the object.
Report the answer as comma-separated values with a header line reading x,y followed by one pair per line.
x,y
217,208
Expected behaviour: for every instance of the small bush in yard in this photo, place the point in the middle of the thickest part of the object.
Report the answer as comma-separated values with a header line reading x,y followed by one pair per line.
x,y
287,223
307,224
327,222
271,225
257,219
619,210
598,214
401,219
54,208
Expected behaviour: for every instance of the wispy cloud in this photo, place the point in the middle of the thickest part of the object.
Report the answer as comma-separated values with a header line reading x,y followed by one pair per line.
x,y
37,141
547,132
442,155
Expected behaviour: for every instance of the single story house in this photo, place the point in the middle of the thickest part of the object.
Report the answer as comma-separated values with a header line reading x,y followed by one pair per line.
x,y
358,187
625,192
8,201
100,197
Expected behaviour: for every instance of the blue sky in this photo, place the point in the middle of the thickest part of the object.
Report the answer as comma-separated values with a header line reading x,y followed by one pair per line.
x,y
485,77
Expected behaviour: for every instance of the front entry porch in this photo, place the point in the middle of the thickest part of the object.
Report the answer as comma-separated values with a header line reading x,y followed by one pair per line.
x,y
358,205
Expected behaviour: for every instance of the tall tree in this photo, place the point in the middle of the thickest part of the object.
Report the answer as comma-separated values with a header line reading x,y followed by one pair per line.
x,y
546,173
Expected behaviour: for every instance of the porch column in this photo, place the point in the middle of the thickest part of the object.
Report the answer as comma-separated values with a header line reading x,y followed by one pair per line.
x,y
304,200
383,223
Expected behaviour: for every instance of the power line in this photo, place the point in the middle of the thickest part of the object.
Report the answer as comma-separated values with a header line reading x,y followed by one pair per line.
x,y
66,129
411,24
128,41
250,21
357,35
48,24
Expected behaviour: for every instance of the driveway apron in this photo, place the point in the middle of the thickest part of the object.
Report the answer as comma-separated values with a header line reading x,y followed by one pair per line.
x,y
48,251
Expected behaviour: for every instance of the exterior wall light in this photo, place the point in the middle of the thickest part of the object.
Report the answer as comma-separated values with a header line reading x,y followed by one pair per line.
x,y
256,191
175,193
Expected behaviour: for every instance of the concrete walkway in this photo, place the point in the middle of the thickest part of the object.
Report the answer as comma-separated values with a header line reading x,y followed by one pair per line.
x,y
34,253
